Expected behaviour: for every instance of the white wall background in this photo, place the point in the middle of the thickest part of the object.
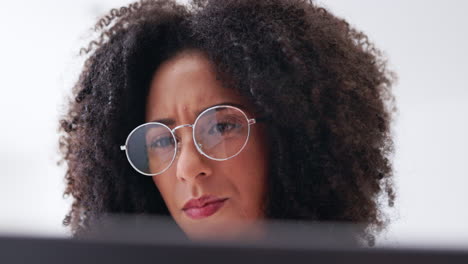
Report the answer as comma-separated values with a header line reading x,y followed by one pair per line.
x,y
425,42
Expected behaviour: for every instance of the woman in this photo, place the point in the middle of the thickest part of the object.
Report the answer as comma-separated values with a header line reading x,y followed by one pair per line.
x,y
224,113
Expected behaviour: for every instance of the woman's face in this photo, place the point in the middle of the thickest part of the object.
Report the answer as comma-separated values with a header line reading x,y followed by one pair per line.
x,y
232,192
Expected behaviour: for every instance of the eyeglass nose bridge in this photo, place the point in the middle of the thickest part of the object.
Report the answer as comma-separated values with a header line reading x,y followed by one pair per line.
x,y
181,126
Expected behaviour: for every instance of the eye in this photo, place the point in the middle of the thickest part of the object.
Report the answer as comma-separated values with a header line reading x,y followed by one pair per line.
x,y
223,128
162,142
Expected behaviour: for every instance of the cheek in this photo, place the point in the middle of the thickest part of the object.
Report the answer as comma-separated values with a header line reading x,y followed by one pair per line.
x,y
248,175
166,187
250,191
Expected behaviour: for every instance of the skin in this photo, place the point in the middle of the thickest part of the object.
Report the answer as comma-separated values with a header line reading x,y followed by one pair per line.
x,y
181,88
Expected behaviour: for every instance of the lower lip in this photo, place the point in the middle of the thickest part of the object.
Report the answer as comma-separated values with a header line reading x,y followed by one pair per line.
x,y
205,211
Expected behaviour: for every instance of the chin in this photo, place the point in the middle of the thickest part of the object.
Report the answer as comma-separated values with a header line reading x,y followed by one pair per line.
x,y
223,230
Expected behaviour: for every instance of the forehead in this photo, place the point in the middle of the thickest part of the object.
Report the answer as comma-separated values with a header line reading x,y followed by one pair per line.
x,y
184,86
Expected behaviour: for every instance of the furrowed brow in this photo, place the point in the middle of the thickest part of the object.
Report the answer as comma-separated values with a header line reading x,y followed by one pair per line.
x,y
170,121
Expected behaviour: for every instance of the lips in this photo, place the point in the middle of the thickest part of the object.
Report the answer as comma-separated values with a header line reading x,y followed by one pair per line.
x,y
203,207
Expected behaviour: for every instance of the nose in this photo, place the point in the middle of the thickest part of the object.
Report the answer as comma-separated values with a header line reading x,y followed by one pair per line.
x,y
191,164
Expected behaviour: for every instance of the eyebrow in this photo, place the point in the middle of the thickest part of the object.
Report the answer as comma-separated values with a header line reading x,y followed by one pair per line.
x,y
170,121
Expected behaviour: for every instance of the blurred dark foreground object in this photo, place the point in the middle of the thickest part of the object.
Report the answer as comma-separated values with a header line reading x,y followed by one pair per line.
x,y
149,240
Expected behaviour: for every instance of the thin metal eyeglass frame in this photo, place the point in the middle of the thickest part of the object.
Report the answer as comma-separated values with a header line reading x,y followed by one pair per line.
x,y
250,122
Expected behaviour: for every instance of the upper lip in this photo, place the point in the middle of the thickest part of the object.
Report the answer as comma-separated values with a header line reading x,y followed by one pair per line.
x,y
202,201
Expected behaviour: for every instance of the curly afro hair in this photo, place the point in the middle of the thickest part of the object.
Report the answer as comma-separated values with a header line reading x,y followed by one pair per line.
x,y
325,87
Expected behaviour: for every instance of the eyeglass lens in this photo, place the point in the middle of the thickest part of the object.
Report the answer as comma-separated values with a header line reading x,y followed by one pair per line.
x,y
220,133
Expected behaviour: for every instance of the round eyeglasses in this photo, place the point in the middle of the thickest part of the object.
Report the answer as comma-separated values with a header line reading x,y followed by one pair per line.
x,y
220,132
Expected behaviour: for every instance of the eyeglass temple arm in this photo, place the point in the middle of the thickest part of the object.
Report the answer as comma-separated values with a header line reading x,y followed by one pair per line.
x,y
122,147
257,120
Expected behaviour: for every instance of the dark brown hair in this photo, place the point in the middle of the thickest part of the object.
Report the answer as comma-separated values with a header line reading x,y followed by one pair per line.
x,y
324,86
